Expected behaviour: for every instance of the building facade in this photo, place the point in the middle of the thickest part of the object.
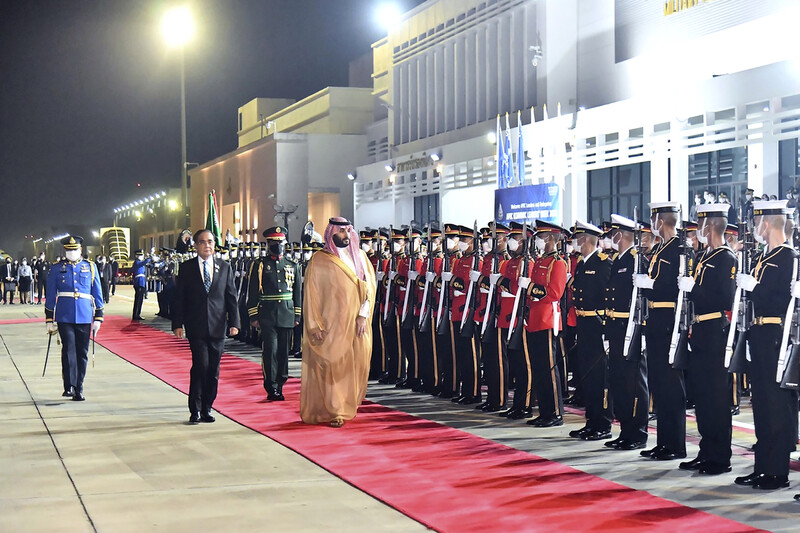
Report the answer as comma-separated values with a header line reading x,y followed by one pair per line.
x,y
621,102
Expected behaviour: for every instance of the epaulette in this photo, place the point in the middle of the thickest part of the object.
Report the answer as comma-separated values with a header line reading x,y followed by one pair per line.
x,y
634,251
602,256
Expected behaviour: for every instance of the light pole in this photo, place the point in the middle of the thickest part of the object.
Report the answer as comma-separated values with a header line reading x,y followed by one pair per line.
x,y
177,27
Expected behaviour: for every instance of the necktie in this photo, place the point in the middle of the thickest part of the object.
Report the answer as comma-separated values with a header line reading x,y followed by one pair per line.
x,y
206,277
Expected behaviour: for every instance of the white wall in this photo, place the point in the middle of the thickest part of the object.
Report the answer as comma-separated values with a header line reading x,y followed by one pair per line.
x,y
463,206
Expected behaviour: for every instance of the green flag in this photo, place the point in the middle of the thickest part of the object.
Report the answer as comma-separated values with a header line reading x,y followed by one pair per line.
x,y
212,222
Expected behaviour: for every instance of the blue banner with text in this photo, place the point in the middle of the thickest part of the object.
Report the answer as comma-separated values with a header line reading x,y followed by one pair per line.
x,y
529,202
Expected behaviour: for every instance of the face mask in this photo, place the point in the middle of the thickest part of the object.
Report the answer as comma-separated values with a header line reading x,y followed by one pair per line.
x,y
539,243
307,255
451,243
570,248
655,229
276,248
366,247
73,255
748,196
513,245
697,201
373,246
462,246
487,246
615,243
757,234
398,247
24,262
575,244
702,239
140,257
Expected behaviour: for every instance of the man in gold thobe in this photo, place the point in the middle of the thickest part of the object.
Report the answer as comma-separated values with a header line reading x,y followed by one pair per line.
x,y
339,297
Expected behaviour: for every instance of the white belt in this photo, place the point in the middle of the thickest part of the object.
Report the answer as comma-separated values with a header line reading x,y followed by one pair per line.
x,y
75,295
139,275
457,293
484,291
507,295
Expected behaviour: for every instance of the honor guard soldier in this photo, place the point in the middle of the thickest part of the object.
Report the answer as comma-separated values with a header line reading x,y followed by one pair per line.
x,y
735,379
74,309
408,268
589,292
445,334
518,363
466,347
391,322
711,289
139,275
425,311
774,408
495,360
378,243
545,286
627,372
273,305
660,286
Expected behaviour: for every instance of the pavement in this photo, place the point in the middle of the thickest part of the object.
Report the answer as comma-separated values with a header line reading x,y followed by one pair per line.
x,y
125,459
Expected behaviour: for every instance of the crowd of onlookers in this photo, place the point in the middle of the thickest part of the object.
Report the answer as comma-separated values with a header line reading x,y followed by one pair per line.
x,y
24,276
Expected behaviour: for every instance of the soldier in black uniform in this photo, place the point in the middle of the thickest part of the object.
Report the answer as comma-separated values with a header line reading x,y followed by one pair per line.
x,y
588,291
628,376
774,408
274,303
391,326
661,289
735,379
711,289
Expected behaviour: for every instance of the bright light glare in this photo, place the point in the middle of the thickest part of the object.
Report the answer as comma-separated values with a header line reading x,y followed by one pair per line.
x,y
177,26
388,16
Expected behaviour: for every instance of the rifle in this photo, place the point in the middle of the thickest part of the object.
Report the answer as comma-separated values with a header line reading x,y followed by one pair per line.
x,y
741,314
638,309
515,330
425,312
679,342
468,318
388,305
562,244
411,292
790,325
443,312
492,305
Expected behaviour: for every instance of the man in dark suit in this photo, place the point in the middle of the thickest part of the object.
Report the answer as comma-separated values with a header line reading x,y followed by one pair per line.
x,y
205,304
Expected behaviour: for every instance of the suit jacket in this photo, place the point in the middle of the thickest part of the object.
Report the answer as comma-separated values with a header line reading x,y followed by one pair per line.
x,y
205,314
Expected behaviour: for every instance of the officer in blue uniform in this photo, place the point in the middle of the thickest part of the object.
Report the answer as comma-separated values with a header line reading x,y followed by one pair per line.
x,y
74,309
139,273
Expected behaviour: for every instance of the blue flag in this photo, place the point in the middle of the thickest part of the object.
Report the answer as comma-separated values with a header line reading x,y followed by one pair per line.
x,y
520,152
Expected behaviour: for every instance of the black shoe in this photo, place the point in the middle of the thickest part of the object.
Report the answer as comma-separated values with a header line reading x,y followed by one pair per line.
x,y
482,406
747,480
651,416
194,418
613,443
446,394
273,396
695,464
652,451
457,398
579,433
295,353
521,414
668,455
384,379
68,393
547,421
765,482
601,434
734,410
78,397
206,417
714,469
797,497
572,400
508,412
405,384
631,445
419,387
469,400
494,408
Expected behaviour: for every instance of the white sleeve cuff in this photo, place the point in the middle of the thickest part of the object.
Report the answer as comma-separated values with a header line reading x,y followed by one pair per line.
x,y
364,311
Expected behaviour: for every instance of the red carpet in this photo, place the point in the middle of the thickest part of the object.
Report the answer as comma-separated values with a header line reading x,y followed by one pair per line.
x,y
20,321
445,478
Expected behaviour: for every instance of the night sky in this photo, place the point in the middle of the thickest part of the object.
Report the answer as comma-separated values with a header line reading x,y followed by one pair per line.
x,y
90,94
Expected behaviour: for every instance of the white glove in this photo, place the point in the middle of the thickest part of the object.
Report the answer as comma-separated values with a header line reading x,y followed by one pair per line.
x,y
392,275
524,283
795,289
643,281
52,328
430,277
412,275
447,276
746,282
686,284
96,326
493,278
474,275
379,276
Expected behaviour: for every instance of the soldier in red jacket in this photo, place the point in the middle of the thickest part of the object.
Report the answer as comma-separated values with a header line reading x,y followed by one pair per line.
x,y
545,286
466,347
495,362
446,332
376,240
391,322
425,313
408,269
518,364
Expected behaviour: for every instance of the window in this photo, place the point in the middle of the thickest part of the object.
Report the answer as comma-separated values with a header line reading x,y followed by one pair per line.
x,y
426,209
618,190
789,165
240,122
723,171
